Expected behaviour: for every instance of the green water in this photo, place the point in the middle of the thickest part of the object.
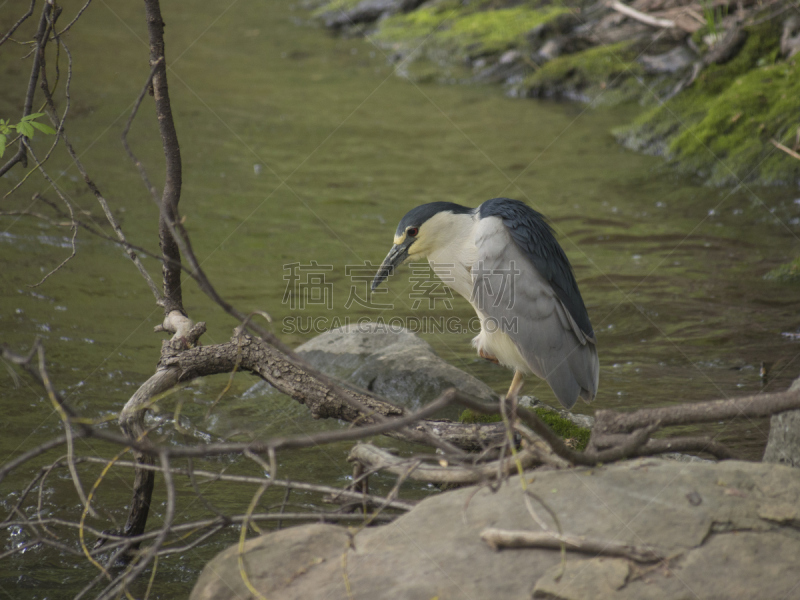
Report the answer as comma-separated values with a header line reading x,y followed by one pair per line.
x,y
298,147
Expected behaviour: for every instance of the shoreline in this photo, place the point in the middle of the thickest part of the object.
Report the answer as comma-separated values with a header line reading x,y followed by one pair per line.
x,y
716,86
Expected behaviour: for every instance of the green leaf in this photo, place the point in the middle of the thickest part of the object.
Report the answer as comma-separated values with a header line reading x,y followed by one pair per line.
x,y
43,128
2,145
32,116
25,129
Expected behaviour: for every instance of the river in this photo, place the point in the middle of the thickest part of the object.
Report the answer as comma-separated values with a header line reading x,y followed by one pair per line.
x,y
299,148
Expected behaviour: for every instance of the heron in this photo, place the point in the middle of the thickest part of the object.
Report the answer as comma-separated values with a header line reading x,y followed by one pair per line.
x,y
503,257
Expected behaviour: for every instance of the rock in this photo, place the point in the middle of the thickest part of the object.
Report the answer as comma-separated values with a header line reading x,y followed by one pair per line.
x,y
675,60
790,38
562,44
731,528
367,12
392,362
783,443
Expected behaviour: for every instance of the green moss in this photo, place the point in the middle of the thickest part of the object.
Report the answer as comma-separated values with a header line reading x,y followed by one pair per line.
x,y
588,74
464,30
722,125
786,273
416,25
494,31
563,427
470,416
335,5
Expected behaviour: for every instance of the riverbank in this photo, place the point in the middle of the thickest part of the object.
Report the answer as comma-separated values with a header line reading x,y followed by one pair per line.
x,y
714,86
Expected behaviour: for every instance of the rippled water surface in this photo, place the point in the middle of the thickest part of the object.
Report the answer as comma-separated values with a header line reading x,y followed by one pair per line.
x,y
298,147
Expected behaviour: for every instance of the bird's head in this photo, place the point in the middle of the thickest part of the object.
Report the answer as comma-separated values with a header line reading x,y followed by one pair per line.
x,y
420,232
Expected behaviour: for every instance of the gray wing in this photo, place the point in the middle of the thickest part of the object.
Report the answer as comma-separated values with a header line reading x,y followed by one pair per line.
x,y
509,289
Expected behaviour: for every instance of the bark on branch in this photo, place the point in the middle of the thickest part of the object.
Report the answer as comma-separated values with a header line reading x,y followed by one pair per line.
x,y
375,458
761,405
173,299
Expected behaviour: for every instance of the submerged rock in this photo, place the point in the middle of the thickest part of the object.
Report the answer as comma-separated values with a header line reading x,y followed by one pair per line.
x,y
731,529
391,362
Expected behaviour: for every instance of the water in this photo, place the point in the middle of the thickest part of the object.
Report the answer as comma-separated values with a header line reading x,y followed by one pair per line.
x,y
298,147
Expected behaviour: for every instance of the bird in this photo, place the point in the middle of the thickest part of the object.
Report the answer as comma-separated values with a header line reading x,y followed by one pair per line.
x,y
503,257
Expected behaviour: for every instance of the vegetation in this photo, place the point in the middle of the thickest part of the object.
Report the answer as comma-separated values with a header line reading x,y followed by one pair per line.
x,y
586,75
577,437
25,127
466,31
786,273
721,126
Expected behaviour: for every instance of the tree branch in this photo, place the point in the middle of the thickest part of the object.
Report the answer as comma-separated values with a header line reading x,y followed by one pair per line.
x,y
41,41
504,538
173,299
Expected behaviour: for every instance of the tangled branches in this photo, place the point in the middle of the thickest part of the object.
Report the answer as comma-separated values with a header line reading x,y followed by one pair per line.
x,y
121,529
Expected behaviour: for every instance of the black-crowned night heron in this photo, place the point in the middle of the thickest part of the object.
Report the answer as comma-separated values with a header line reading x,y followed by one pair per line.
x,y
503,258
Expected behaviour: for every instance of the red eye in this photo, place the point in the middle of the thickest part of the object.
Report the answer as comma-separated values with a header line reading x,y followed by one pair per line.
x,y
412,231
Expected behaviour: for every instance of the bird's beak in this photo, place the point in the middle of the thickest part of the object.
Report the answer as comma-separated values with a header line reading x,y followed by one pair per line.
x,y
395,258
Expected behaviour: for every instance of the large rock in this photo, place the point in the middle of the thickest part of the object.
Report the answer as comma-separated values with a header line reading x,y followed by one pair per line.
x,y
783,443
731,529
392,362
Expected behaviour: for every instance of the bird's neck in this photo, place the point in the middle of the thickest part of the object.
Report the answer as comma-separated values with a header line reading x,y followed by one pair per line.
x,y
453,252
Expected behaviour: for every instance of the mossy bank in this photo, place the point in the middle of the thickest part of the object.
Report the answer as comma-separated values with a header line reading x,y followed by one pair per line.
x,y
715,87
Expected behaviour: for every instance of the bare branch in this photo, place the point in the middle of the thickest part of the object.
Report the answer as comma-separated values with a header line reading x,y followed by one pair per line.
x,y
172,300
760,405
75,20
503,538
379,459
783,148
147,86
21,20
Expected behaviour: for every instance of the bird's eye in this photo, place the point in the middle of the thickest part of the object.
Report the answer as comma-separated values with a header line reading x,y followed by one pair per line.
x,y
412,231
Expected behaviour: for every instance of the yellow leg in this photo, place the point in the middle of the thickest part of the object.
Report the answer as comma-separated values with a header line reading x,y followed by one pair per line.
x,y
516,386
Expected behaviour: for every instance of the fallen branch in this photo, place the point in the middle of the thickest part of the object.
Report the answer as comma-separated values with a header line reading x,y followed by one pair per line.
x,y
640,16
761,405
376,459
498,539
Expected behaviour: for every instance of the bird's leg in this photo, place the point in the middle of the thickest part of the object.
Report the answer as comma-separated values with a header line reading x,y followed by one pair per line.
x,y
513,392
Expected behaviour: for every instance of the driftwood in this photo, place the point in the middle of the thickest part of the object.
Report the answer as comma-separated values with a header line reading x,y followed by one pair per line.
x,y
375,458
640,16
498,539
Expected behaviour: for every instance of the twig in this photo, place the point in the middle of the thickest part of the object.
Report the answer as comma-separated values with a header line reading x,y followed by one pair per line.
x,y
788,151
640,16
102,201
75,20
142,172
503,538
41,42
22,19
